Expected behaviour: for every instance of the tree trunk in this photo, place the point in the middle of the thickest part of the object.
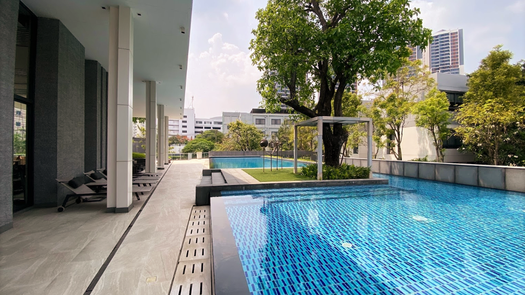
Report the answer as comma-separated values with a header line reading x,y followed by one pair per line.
x,y
333,139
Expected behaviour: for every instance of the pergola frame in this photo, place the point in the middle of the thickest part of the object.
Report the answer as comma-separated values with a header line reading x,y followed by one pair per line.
x,y
319,121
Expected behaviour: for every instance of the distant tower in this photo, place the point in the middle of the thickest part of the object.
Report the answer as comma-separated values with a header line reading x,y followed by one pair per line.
x,y
444,54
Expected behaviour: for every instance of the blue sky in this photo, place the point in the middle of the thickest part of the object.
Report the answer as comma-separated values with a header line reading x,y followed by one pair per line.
x,y
221,76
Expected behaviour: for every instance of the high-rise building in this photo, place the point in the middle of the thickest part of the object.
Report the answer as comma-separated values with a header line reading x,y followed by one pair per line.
x,y
191,126
444,54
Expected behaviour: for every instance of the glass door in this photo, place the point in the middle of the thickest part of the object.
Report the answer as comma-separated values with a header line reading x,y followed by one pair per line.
x,y
20,192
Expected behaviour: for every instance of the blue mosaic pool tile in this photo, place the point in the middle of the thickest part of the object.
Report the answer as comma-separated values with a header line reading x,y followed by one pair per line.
x,y
415,237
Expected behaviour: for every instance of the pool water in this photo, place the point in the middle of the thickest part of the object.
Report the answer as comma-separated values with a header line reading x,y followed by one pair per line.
x,y
409,237
251,162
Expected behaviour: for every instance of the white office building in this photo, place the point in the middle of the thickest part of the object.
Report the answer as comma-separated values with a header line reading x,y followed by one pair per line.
x,y
268,123
191,126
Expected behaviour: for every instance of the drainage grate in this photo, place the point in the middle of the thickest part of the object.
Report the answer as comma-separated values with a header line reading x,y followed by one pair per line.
x,y
193,273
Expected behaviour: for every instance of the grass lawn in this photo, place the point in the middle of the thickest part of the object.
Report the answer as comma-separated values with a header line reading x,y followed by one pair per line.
x,y
275,175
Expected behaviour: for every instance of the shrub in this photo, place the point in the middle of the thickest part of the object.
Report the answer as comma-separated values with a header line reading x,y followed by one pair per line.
x,y
139,156
343,172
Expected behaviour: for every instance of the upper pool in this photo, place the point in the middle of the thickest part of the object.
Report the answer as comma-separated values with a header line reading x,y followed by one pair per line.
x,y
251,162
409,237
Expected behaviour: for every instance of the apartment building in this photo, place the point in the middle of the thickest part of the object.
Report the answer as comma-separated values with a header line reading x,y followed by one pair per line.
x,y
444,54
191,126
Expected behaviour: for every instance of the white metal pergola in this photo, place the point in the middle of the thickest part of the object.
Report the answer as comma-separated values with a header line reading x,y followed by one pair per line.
x,y
319,121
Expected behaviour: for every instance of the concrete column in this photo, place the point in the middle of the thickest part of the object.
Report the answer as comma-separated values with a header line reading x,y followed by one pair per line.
x,y
295,127
320,149
166,137
120,109
8,25
151,126
162,135
369,145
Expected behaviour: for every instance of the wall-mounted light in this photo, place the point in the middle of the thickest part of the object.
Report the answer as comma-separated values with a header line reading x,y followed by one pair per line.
x,y
182,30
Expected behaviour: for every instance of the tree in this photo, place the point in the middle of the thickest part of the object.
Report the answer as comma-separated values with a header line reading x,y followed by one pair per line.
x,y
214,136
322,46
178,139
19,143
396,98
242,137
432,114
198,145
493,107
141,126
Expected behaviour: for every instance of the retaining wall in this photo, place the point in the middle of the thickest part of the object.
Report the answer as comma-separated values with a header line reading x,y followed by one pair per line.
x,y
498,177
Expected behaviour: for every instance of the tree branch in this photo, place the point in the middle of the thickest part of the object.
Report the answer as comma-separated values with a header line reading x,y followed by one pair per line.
x,y
313,6
298,107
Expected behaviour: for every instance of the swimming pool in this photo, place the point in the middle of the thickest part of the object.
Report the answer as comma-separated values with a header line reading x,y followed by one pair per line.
x,y
251,162
409,237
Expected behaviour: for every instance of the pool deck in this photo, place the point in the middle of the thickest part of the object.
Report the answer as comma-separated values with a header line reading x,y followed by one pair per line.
x,y
47,252
237,176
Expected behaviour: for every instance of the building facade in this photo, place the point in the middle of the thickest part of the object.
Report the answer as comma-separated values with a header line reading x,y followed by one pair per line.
x,y
444,54
268,123
191,126
71,80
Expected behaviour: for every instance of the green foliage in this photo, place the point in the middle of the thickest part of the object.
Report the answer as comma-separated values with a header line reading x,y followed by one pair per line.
x,y
344,171
396,98
214,136
139,156
198,145
19,143
424,159
320,47
432,114
141,125
178,139
378,127
242,137
492,117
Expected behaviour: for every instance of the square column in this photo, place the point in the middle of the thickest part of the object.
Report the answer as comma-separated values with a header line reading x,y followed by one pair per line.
x,y
151,126
320,148
120,109
166,138
162,136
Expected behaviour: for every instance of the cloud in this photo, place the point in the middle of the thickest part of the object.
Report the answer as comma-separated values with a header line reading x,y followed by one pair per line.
x,y
222,78
517,7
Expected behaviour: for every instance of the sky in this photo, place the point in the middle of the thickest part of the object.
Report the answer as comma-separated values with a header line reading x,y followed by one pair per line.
x,y
221,77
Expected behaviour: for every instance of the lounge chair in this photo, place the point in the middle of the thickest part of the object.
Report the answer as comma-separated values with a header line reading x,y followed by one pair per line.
x,y
99,180
83,192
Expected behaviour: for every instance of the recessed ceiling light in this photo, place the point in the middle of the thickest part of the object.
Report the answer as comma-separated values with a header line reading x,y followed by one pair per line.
x,y
104,7
180,67
139,14
182,30
180,86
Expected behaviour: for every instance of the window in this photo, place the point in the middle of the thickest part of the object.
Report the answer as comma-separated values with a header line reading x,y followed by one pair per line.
x,y
198,122
276,121
18,113
185,116
207,127
184,121
453,142
184,126
18,124
217,128
184,131
260,121
217,123
356,150
198,127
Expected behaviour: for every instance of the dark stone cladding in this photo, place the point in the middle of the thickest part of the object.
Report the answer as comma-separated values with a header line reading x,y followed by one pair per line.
x,y
8,30
59,110
93,116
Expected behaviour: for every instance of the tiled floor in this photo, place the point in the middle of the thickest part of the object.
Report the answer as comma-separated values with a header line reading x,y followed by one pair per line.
x,y
59,253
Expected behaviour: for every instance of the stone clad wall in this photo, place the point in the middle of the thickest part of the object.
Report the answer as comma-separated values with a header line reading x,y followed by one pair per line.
x,y
59,110
8,25
498,177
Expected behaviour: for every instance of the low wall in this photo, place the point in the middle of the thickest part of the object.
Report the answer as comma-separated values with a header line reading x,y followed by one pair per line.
x,y
498,177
